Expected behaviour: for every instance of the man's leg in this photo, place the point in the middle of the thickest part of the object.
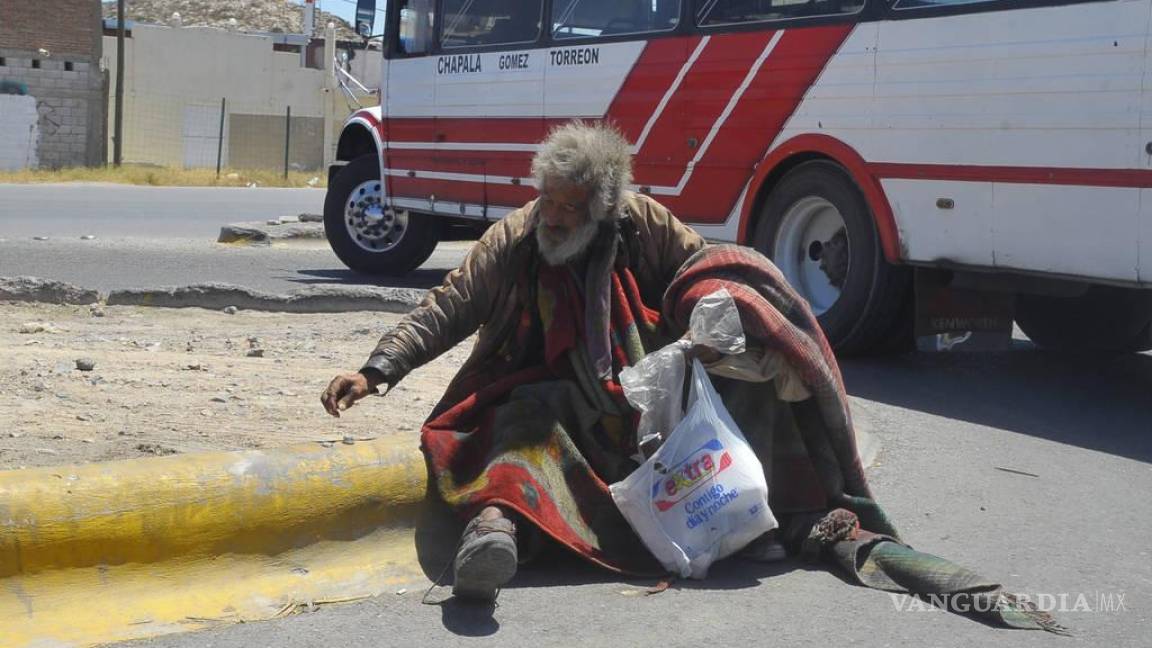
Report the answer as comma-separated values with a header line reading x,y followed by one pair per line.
x,y
487,556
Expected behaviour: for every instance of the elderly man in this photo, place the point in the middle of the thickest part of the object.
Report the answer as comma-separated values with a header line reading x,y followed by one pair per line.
x,y
566,292
570,238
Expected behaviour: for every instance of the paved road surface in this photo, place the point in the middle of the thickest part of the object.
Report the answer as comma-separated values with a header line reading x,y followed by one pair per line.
x,y
952,429
68,211
164,236
105,264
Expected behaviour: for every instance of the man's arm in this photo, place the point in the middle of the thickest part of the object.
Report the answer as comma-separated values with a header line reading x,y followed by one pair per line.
x,y
448,314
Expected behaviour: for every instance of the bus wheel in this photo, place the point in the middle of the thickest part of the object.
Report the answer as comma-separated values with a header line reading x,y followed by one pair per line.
x,y
1105,318
366,234
817,228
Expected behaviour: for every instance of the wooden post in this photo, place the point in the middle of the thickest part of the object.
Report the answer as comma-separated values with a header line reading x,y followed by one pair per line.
x,y
118,117
287,139
220,138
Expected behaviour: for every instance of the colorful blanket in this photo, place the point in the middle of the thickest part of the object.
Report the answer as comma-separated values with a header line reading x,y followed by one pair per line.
x,y
545,441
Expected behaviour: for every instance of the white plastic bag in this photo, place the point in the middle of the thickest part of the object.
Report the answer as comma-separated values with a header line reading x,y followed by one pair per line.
x,y
702,496
655,384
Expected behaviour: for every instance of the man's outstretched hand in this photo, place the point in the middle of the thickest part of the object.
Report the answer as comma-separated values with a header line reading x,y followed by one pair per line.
x,y
345,390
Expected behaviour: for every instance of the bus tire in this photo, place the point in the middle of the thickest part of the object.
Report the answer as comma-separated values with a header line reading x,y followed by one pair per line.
x,y
1106,318
368,236
855,293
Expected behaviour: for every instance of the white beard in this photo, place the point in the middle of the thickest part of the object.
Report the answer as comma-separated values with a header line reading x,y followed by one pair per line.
x,y
560,252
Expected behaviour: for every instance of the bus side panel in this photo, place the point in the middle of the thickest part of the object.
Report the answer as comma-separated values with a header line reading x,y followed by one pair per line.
x,y
1002,139
986,98
1067,230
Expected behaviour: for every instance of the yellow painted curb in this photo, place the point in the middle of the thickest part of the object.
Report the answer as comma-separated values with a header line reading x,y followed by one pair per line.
x,y
120,550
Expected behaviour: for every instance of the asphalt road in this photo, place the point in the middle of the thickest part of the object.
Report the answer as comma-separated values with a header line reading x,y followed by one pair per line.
x,y
68,211
147,237
106,264
1029,467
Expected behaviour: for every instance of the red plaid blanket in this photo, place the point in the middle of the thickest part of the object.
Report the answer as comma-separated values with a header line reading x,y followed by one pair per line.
x,y
547,439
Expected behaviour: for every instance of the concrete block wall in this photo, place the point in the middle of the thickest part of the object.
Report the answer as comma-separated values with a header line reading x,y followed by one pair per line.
x,y
54,47
71,105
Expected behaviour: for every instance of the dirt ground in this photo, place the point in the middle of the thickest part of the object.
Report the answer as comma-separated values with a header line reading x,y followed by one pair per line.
x,y
169,381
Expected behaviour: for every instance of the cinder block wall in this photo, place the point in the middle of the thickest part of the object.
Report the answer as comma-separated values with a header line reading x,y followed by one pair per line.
x,y
53,47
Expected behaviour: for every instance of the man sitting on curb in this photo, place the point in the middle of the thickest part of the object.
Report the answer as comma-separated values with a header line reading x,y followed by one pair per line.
x,y
566,292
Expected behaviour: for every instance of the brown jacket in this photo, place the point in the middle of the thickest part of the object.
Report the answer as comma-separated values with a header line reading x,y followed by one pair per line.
x,y
483,293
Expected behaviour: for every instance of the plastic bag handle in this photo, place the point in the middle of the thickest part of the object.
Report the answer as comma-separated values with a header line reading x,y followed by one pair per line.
x,y
699,386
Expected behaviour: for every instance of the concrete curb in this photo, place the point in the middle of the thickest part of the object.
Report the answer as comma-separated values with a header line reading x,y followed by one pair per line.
x,y
127,549
272,232
316,299
34,289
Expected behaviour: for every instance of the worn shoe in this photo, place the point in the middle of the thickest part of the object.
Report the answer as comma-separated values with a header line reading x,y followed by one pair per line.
x,y
486,559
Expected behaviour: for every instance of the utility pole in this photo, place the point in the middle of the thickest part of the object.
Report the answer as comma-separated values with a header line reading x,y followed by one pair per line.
x,y
308,29
118,119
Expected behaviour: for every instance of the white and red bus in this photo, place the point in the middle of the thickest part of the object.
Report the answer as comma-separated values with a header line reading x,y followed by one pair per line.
x,y
1004,143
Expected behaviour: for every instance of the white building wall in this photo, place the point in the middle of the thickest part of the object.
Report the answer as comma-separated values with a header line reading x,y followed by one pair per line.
x,y
175,79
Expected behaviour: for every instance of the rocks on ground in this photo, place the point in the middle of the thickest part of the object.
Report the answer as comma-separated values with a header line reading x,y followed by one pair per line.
x,y
181,380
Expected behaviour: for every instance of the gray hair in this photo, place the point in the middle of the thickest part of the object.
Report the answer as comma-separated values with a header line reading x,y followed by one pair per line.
x,y
597,156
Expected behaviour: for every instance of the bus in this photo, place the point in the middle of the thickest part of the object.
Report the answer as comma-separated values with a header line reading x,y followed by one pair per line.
x,y
867,147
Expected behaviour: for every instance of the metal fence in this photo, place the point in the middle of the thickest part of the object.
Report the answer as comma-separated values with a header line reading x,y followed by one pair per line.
x,y
224,133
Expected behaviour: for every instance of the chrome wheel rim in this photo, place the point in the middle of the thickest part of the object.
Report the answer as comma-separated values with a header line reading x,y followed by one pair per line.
x,y
812,249
372,225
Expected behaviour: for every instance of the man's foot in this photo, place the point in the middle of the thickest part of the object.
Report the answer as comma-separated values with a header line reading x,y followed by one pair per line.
x,y
487,556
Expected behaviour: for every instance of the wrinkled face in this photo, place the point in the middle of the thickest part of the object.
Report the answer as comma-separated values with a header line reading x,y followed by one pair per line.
x,y
565,225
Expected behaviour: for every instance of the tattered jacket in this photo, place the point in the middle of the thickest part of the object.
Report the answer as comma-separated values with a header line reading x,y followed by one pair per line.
x,y
489,292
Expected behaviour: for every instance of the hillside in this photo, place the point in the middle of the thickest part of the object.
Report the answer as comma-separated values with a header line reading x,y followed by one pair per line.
x,y
282,16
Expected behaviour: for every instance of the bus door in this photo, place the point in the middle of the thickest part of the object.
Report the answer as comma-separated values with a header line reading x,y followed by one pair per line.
x,y
408,105
622,61
489,102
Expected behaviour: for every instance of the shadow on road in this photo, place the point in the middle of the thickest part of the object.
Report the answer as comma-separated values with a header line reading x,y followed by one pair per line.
x,y
420,278
468,619
1095,402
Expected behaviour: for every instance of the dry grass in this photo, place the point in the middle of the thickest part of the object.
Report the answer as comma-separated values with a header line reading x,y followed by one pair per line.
x,y
169,177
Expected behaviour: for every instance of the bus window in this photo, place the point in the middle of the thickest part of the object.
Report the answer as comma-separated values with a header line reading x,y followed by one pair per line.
x,y
416,23
585,18
490,22
731,12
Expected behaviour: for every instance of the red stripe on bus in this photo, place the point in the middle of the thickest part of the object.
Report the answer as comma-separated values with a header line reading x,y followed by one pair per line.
x,y
1131,178
770,99
494,164
650,78
693,109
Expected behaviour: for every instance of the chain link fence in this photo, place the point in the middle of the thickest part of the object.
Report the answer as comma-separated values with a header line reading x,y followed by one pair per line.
x,y
225,134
